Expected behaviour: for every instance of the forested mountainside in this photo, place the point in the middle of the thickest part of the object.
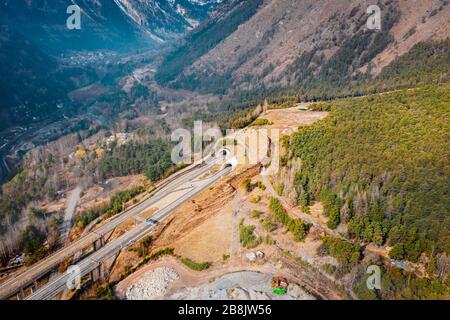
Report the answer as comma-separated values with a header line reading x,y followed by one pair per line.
x,y
32,85
315,45
198,43
381,165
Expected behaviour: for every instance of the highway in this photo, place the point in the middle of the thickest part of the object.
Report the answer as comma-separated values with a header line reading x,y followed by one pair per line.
x,y
90,263
187,178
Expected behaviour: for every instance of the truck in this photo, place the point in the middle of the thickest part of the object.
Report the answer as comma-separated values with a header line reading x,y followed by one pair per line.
x,y
279,285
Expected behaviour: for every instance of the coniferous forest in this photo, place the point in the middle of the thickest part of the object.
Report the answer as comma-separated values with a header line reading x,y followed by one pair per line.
x,y
381,164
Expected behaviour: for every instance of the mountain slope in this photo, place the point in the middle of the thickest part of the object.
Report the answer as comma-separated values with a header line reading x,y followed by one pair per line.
x,y
292,43
116,25
381,165
205,38
25,91
103,25
167,18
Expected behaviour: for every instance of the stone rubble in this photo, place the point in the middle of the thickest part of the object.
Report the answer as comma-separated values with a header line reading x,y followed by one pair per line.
x,y
153,284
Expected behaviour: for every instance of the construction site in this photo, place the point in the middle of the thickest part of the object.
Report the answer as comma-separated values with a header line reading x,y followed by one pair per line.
x,y
221,242
200,252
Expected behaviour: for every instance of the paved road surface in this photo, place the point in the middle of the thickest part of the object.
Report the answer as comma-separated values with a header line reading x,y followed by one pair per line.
x,y
191,173
67,224
90,263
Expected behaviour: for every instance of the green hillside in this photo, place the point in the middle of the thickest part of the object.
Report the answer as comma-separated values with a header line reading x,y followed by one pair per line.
x,y
381,164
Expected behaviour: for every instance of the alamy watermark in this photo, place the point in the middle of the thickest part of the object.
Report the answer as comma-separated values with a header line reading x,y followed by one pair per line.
x,y
374,20
74,278
374,279
74,20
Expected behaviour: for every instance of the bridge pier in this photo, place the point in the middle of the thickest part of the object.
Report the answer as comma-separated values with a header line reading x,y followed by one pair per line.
x,y
34,286
96,274
92,276
98,244
21,294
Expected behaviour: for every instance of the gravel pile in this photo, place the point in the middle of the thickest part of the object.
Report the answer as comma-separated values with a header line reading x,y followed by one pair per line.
x,y
154,283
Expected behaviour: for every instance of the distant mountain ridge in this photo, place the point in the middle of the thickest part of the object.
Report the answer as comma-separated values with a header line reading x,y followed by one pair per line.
x,y
166,19
109,24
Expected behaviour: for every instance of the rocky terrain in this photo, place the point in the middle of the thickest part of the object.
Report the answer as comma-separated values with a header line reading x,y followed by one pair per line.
x,y
152,284
240,286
